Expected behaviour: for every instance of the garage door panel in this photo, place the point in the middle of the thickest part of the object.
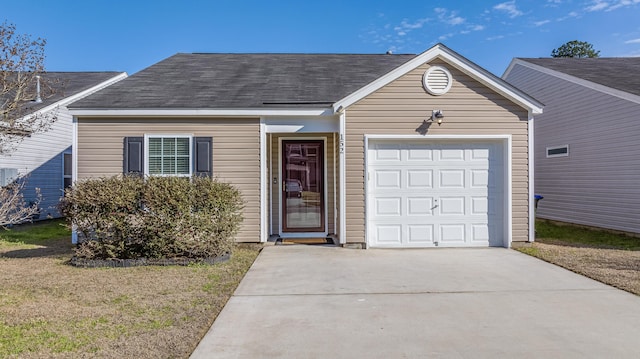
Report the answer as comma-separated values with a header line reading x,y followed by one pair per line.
x,y
389,234
419,153
388,206
420,234
427,195
387,152
451,179
479,178
480,233
389,179
452,154
420,206
479,205
452,233
419,179
452,206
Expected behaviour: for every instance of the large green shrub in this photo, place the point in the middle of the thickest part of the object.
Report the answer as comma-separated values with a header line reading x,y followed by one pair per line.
x,y
155,217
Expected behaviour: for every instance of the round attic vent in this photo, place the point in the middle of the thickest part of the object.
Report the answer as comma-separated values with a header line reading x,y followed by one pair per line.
x,y
437,80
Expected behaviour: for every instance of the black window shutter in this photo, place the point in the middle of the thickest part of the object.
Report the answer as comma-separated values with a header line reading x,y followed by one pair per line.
x,y
202,156
133,155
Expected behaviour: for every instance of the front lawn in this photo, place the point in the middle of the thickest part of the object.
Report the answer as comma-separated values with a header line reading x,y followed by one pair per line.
x,y
605,256
51,309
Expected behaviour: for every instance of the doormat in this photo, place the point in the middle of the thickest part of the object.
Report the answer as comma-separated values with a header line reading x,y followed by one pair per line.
x,y
305,241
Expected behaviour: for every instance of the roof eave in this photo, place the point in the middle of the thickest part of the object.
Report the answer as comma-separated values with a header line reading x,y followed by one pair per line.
x,y
201,112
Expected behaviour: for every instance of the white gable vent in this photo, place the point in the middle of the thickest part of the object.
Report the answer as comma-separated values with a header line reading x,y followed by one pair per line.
x,y
437,80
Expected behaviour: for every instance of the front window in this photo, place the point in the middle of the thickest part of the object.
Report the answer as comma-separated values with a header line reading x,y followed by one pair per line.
x,y
169,156
67,167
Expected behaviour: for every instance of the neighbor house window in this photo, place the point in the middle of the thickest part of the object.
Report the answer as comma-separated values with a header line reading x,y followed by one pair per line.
x,y
67,169
169,155
558,151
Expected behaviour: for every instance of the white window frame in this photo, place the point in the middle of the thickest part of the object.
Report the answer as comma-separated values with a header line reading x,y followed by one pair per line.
x,y
69,176
146,154
558,154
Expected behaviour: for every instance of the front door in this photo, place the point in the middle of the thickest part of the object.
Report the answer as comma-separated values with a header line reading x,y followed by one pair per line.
x,y
303,186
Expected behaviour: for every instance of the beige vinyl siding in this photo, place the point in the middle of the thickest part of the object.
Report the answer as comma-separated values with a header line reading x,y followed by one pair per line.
x,y
598,184
236,153
275,172
470,108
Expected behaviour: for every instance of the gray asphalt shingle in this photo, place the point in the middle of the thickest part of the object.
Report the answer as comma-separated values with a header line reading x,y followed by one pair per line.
x,y
620,73
244,81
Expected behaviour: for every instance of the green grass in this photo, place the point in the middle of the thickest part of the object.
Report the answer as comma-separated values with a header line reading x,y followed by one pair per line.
x,y
566,234
33,233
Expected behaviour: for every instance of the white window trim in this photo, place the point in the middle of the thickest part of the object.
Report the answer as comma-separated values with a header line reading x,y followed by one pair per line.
x,y
70,176
146,153
556,148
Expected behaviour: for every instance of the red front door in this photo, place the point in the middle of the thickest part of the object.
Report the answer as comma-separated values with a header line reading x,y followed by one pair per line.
x,y
303,186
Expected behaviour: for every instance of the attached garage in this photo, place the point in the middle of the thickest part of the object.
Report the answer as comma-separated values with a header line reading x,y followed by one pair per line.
x,y
437,192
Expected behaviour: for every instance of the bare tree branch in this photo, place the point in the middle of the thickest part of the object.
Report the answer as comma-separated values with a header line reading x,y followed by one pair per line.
x,y
21,69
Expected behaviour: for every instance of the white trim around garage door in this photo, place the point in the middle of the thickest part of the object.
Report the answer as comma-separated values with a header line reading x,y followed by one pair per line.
x,y
506,142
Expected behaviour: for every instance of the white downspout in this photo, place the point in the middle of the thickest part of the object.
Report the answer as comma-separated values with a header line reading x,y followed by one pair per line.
x,y
532,201
263,181
335,187
74,168
342,147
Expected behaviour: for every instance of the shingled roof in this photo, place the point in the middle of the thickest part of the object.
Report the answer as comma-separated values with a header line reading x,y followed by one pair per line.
x,y
620,73
66,84
214,81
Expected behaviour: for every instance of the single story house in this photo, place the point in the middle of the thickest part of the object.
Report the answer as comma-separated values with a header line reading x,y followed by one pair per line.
x,y
43,159
373,150
587,153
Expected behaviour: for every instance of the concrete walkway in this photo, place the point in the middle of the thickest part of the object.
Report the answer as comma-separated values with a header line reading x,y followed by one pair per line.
x,y
326,302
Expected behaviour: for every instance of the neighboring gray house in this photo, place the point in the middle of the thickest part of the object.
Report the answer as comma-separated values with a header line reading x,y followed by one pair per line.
x,y
587,142
44,159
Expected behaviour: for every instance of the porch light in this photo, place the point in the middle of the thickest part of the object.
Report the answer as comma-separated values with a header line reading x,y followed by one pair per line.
x,y
436,116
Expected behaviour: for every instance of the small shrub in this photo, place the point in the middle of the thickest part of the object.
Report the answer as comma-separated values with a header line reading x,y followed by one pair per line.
x,y
129,217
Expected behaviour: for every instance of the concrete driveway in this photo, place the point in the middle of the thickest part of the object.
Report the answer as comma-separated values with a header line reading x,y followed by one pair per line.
x,y
327,302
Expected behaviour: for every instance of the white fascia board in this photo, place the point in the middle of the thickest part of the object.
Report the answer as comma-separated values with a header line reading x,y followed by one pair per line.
x,y
454,59
576,80
202,112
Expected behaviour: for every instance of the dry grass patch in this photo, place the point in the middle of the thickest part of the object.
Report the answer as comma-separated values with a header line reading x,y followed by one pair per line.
x,y
49,309
607,257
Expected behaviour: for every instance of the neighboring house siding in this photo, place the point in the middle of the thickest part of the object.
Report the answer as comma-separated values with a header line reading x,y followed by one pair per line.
x,y
274,171
40,158
598,184
236,153
470,108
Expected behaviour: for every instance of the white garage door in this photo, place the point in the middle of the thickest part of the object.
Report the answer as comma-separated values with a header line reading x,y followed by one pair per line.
x,y
438,194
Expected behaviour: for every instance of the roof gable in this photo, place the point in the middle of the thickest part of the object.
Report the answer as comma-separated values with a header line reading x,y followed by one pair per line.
x,y
456,60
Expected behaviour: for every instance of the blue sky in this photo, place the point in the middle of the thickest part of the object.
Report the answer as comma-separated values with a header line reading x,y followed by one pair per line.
x,y
96,35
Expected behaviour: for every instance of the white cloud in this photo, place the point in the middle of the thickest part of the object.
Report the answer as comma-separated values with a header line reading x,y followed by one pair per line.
x,y
540,23
634,41
477,27
448,17
510,8
622,3
597,5
498,37
445,36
